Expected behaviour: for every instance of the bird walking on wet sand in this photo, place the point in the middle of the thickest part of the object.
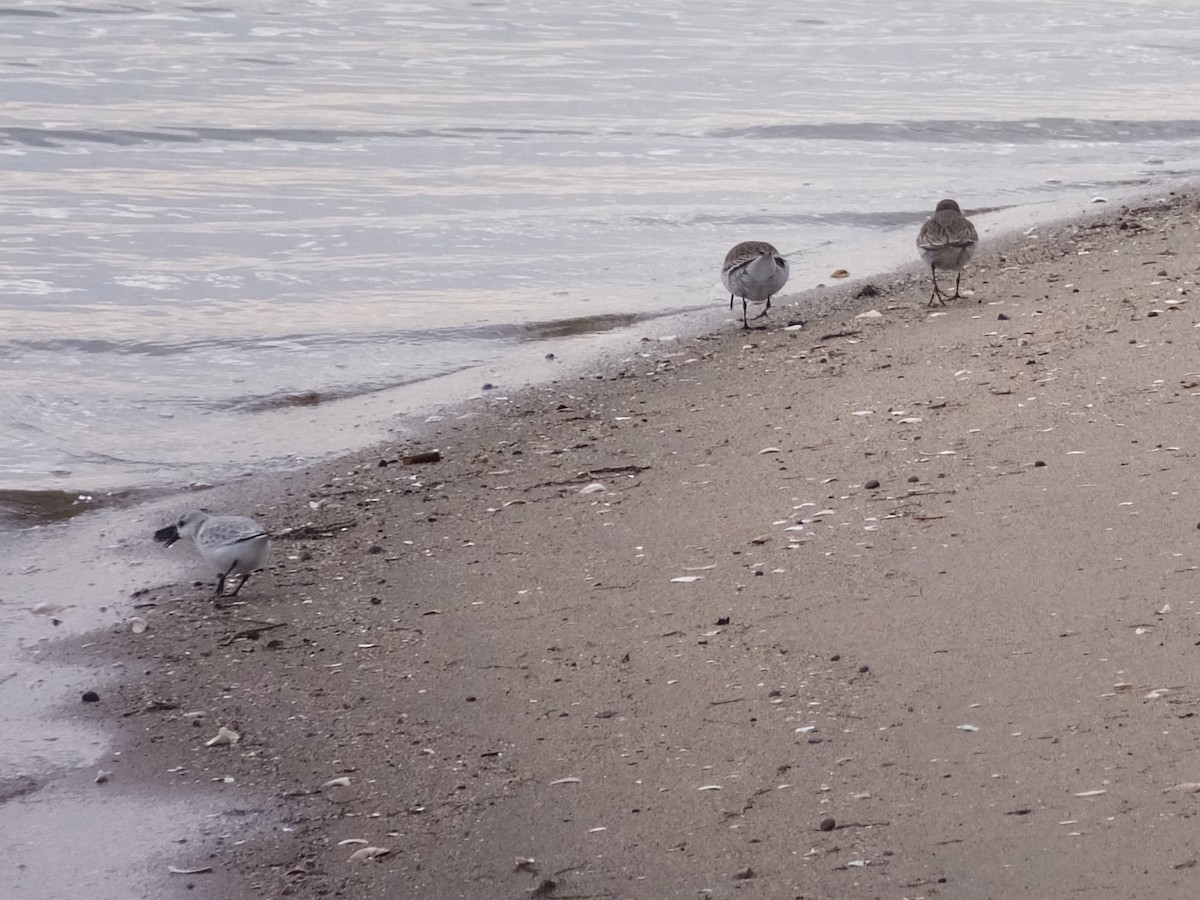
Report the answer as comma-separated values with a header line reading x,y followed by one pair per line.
x,y
947,241
754,271
236,545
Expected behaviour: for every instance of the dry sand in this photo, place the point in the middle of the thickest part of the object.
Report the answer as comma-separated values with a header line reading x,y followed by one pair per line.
x,y
927,578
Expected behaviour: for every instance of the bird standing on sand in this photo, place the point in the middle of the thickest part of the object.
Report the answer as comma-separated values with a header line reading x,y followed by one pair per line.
x,y
236,544
754,271
947,241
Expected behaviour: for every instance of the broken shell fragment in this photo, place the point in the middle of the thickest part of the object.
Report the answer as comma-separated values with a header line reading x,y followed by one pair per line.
x,y
568,780
366,853
594,488
197,870
137,624
224,736
344,781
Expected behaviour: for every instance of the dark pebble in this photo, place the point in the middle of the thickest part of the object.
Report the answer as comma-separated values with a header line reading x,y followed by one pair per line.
x,y
1039,464
471,699
745,874
868,290
489,386
913,479
827,825
383,464
864,669
871,485
56,621
374,549
835,657
550,356
1002,317
91,697
375,601
1153,314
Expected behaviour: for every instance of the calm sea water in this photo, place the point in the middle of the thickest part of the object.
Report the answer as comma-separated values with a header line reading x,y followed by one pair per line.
x,y
211,211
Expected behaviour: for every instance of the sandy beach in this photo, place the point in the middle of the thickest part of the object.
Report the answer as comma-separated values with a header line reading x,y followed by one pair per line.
x,y
900,604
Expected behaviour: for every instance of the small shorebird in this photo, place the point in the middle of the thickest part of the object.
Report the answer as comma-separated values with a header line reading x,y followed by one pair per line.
x,y
236,544
754,271
947,241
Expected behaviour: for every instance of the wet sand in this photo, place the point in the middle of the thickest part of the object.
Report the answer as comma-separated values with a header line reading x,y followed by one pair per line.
x,y
888,606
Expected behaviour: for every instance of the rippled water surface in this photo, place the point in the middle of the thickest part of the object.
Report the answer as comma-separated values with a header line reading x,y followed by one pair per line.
x,y
216,215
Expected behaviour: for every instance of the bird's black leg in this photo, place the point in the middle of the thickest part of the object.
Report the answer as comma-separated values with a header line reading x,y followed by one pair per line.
x,y
745,322
241,584
221,580
956,294
731,301
936,293
765,308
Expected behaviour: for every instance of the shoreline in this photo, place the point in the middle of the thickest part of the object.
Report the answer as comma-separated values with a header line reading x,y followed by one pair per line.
x,y
592,627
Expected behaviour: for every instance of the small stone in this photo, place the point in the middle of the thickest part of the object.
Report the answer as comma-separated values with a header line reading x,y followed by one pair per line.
x,y
868,290
827,825
1153,314
91,697
835,657
1002,317
1039,464
374,549
913,479
871,485
745,874
375,601
550,356
489,386
864,669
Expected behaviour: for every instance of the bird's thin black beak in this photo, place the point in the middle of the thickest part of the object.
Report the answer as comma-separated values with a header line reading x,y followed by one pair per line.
x,y
168,535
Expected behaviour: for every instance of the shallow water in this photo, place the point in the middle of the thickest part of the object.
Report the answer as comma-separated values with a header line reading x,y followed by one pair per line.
x,y
212,210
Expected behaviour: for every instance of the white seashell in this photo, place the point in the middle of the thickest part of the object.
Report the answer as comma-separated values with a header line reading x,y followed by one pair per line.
x,y
595,830
343,843
594,488
968,727
198,870
806,729
224,736
343,781
870,314
1091,793
769,450
101,777
711,787
686,579
368,853
137,624
1187,787
571,779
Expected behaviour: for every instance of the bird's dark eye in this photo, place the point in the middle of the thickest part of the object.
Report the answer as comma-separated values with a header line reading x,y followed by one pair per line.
x,y
779,261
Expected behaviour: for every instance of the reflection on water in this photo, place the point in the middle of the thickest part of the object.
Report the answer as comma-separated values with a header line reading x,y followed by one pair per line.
x,y
210,211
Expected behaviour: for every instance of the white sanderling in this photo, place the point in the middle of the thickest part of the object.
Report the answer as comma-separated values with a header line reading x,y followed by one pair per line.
x,y
754,271
236,545
947,241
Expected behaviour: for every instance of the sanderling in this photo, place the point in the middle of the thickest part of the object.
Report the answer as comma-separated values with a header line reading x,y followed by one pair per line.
x,y
947,241
236,544
754,271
